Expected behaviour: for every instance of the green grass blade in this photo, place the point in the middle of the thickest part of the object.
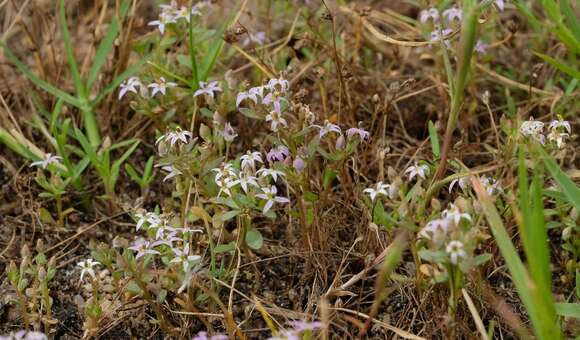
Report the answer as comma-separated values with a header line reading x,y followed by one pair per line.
x,y
568,187
215,49
70,55
568,309
106,45
39,82
192,52
571,19
434,139
569,70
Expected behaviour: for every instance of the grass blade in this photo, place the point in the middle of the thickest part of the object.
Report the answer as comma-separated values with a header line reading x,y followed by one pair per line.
x,y
106,44
70,54
39,82
568,187
568,309
434,139
569,70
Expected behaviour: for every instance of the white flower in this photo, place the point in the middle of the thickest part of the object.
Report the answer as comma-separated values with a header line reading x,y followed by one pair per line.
x,y
463,183
556,134
453,214
500,4
378,189
172,172
244,180
275,117
534,129
151,218
269,194
183,257
246,95
427,14
417,170
435,230
558,137
326,128
453,13
226,170
174,136
203,336
455,251
130,85
207,88
87,267
25,335
160,86
265,172
46,161
249,160
164,19
184,13
225,184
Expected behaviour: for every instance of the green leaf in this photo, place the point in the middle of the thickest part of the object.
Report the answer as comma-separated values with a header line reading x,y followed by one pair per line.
x,y
434,138
117,164
254,239
249,113
230,214
328,177
106,44
224,248
568,309
569,70
132,173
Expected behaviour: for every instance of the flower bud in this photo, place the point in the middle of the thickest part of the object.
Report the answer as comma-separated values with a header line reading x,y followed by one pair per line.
x,y
299,164
340,143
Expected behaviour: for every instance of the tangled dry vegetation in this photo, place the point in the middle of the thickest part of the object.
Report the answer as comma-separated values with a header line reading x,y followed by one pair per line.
x,y
261,169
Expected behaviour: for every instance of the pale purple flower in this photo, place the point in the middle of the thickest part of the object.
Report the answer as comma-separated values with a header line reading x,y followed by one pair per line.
x,y
203,336
258,38
249,160
427,14
87,267
417,170
558,123
25,335
269,195
490,185
438,35
362,133
143,247
340,142
225,185
265,172
278,153
454,214
246,95
558,137
226,170
160,86
299,164
172,172
326,128
455,251
453,13
184,13
245,180
130,85
300,325
228,132
46,161
207,88
481,47
279,84
500,4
